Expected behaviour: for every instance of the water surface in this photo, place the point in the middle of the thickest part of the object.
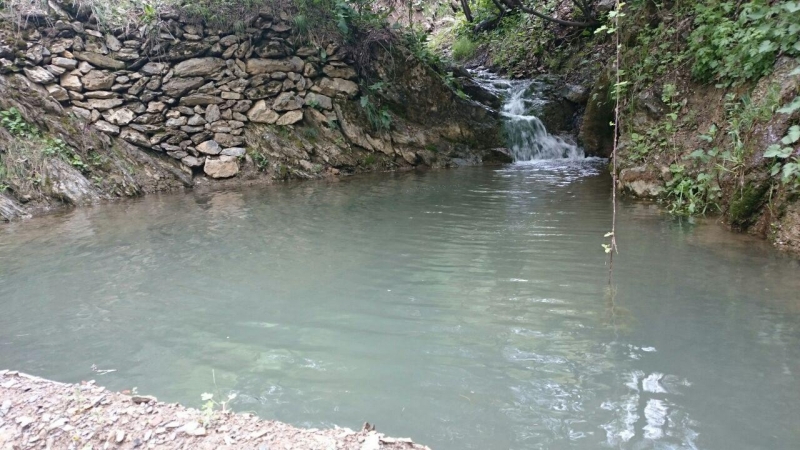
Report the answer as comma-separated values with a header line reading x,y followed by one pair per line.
x,y
467,309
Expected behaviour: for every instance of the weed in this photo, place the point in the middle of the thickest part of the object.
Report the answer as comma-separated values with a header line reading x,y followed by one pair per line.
x,y
464,48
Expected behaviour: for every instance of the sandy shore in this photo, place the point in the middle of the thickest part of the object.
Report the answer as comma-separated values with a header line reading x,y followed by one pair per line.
x,y
43,414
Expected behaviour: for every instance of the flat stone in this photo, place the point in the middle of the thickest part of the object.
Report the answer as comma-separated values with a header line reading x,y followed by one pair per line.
x,y
154,68
99,60
57,92
104,104
234,151
347,73
199,67
55,70
177,122
212,113
209,148
290,118
72,81
122,116
134,137
193,161
287,101
200,99
318,100
67,63
156,107
39,75
231,95
256,66
105,127
336,86
196,120
222,167
176,87
97,80
228,140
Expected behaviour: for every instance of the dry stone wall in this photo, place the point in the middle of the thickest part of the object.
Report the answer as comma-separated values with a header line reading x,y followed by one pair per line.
x,y
185,90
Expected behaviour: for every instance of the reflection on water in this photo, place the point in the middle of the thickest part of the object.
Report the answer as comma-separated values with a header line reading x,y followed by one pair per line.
x,y
468,309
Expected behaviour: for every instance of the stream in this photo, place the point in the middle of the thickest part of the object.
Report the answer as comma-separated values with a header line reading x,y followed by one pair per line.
x,y
466,308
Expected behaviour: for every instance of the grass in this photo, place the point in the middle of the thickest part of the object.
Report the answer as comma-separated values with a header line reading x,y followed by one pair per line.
x,y
464,48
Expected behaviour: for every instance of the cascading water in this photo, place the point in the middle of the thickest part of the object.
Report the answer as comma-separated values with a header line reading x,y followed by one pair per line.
x,y
526,135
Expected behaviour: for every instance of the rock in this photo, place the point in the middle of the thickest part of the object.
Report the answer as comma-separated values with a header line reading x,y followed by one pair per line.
x,y
72,81
105,127
256,66
347,73
99,60
55,70
176,87
212,113
233,151
641,182
97,80
154,68
156,107
290,118
318,100
193,428
287,101
39,75
209,148
176,122
231,95
57,92
337,86
122,116
185,50
119,436
200,99
270,89
228,140
199,67
66,63
196,120
222,167
575,93
193,161
104,104
113,43
261,113
68,184
134,137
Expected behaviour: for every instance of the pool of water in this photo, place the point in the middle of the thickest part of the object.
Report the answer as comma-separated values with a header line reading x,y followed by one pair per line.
x,y
467,309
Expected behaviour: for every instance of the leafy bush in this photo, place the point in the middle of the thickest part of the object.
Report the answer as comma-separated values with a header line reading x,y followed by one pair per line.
x,y
464,48
735,42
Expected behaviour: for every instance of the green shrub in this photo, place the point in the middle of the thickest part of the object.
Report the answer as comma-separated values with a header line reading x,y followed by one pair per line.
x,y
464,48
734,41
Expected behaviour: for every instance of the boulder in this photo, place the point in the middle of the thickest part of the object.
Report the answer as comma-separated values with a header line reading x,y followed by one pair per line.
x,y
102,61
199,67
222,167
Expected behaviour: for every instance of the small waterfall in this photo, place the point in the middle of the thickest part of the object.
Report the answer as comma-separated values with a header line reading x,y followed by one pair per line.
x,y
526,135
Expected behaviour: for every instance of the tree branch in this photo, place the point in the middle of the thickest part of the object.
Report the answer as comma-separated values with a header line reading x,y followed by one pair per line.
x,y
517,4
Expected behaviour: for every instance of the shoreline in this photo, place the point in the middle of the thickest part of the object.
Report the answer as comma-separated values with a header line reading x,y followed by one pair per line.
x,y
40,413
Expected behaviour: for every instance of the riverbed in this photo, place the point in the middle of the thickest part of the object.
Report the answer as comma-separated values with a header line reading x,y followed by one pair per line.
x,y
466,309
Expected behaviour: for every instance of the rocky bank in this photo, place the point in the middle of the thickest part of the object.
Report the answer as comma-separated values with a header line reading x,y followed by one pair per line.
x,y
93,113
37,413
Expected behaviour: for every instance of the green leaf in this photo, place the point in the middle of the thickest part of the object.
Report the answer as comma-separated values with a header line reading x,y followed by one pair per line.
x,y
791,107
776,151
792,136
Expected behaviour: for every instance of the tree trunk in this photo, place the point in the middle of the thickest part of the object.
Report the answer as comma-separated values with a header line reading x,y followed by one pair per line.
x,y
467,10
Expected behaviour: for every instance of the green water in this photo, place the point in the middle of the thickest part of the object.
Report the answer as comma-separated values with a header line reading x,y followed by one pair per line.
x,y
467,309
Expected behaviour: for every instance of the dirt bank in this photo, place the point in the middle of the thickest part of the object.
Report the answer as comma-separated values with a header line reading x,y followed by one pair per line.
x,y
39,413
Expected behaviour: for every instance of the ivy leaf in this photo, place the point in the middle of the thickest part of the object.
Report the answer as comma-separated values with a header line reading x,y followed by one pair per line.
x,y
792,136
776,151
795,105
